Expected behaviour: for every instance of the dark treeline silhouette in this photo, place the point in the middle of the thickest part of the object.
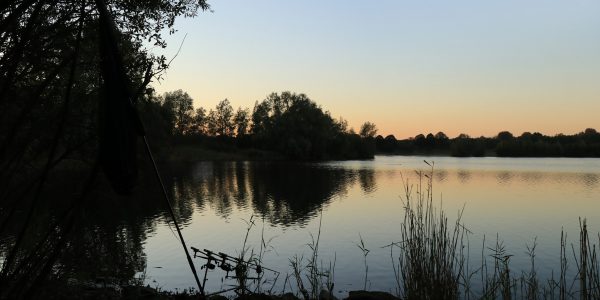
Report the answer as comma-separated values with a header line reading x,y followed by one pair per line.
x,y
72,75
583,144
288,124
67,70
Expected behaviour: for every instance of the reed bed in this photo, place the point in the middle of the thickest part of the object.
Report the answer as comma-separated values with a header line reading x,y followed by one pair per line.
x,y
429,265
431,261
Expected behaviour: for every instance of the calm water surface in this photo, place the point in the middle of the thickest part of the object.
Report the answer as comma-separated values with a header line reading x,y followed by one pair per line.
x,y
515,200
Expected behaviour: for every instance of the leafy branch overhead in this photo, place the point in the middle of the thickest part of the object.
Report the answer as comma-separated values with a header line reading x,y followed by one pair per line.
x,y
55,60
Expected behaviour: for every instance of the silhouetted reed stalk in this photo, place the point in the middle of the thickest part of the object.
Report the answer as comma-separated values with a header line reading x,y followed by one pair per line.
x,y
248,257
587,267
429,264
365,252
562,284
265,246
241,270
529,280
317,277
500,282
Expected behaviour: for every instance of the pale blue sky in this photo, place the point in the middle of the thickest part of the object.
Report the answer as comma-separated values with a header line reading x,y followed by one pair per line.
x,y
411,67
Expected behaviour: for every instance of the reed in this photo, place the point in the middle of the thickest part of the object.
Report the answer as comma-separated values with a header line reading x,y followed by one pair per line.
x,y
433,258
429,266
365,252
313,279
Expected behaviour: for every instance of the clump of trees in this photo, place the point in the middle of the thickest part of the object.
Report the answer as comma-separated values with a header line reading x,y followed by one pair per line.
x,y
287,123
57,101
583,144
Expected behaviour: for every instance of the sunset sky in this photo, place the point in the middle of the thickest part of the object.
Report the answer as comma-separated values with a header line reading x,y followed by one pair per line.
x,y
475,67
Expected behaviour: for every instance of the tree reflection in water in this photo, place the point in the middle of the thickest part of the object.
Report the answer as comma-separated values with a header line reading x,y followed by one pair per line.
x,y
108,240
284,193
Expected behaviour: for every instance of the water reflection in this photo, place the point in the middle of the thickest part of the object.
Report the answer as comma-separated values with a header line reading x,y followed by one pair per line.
x,y
504,177
367,180
441,175
590,180
289,194
532,177
498,198
106,243
111,241
283,193
464,175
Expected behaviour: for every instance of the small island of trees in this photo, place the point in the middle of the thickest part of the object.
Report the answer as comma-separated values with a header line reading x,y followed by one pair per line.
x,y
286,124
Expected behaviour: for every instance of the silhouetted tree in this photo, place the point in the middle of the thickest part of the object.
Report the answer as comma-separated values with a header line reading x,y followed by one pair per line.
x,y
158,120
224,118
419,140
590,131
441,140
182,107
441,136
297,127
343,125
379,143
388,145
368,130
525,135
430,140
200,121
260,118
241,121
211,123
505,136
464,146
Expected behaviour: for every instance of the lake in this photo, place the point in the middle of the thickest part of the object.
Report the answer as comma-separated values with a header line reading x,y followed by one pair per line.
x,y
510,200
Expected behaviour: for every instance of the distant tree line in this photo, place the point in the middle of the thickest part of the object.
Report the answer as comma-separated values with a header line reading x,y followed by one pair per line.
x,y
287,123
505,144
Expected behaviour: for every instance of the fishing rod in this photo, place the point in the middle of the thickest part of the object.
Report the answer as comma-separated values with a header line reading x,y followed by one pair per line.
x,y
121,124
226,257
229,264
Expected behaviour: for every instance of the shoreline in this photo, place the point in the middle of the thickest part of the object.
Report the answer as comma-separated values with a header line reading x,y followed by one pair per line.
x,y
191,153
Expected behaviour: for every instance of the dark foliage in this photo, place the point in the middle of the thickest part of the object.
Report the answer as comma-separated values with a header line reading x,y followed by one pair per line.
x,y
583,144
54,70
297,127
289,124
